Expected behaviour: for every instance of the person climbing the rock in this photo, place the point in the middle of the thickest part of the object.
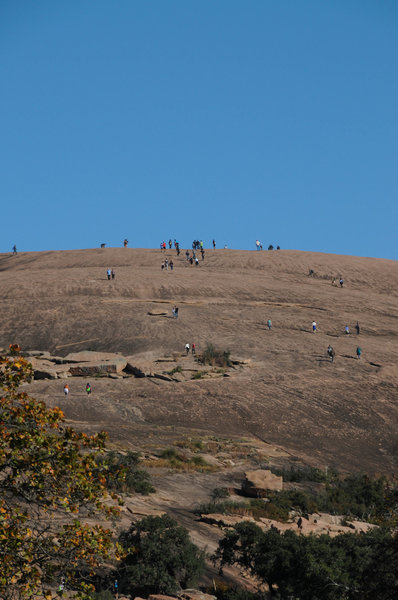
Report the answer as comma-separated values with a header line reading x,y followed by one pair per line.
x,y
66,389
347,330
187,348
108,274
313,327
170,244
358,329
196,261
14,249
359,352
193,348
269,324
257,244
125,242
88,389
214,244
341,282
171,265
331,353
113,274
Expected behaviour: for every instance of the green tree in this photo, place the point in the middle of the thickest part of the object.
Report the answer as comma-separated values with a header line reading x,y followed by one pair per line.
x,y
346,567
49,487
160,558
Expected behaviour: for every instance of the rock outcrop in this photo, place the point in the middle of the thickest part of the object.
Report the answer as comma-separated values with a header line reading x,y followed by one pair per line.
x,y
258,483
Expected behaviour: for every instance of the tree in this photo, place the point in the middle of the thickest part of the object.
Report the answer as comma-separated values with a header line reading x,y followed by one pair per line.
x,y
160,558
50,486
346,567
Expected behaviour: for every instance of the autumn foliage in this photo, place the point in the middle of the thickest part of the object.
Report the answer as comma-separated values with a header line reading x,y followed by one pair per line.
x,y
50,492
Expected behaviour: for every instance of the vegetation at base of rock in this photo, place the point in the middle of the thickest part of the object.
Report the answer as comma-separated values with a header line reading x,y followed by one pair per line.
x,y
50,482
345,567
305,473
170,457
356,496
277,506
223,591
160,558
123,473
177,369
215,357
198,375
219,493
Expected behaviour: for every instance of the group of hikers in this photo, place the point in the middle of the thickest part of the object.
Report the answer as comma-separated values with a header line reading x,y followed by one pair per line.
x,y
259,246
330,350
192,348
166,264
67,389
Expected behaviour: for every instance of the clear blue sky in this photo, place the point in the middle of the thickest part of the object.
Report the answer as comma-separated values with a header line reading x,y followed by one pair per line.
x,y
151,119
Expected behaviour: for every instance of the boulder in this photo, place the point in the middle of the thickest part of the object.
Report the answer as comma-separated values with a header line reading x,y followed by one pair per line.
x,y
102,367
91,356
45,369
258,483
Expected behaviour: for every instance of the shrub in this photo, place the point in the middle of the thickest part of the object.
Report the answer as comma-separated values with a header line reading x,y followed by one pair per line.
x,y
198,375
123,474
219,493
215,357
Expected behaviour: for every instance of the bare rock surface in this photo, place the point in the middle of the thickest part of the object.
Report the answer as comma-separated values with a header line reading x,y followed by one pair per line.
x,y
340,414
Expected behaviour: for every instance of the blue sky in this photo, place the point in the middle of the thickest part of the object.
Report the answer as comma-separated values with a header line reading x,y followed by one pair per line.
x,y
159,119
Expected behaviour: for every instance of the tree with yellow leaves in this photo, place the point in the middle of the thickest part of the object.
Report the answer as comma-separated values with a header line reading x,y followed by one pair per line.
x,y
51,489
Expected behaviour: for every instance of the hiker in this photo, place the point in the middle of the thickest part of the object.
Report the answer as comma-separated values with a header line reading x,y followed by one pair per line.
x,y
313,327
269,323
187,254
66,389
14,249
109,273
187,348
202,253
193,348
88,389
125,242
357,328
162,265
113,274
359,352
341,281
171,265
166,264
214,244
331,353
176,312
170,244
196,261
257,245
347,330
191,260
